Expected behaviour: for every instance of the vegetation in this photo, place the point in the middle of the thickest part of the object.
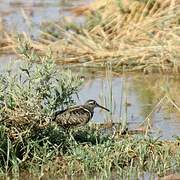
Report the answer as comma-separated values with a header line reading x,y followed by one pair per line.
x,y
5,43
28,99
30,142
133,35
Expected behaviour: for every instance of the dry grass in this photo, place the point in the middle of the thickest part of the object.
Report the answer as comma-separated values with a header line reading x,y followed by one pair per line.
x,y
131,34
5,43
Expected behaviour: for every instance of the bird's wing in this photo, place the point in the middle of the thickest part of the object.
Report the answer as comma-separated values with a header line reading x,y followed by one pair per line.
x,y
73,116
56,113
59,112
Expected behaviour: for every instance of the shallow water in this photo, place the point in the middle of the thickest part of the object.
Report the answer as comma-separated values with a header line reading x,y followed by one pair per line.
x,y
133,99
27,16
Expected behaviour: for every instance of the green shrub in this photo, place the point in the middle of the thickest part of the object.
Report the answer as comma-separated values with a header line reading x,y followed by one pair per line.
x,y
29,95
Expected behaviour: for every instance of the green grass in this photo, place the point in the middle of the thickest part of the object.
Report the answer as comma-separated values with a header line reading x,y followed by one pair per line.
x,y
122,157
50,151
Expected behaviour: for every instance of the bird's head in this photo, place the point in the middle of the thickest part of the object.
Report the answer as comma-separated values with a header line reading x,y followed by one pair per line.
x,y
92,104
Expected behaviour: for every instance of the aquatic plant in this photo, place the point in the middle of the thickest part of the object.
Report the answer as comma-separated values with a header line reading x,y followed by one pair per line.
x,y
123,158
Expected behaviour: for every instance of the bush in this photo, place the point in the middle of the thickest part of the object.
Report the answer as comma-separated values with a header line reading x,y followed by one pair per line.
x,y
29,94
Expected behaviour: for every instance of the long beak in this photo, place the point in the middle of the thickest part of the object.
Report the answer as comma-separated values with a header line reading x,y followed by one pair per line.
x,y
102,107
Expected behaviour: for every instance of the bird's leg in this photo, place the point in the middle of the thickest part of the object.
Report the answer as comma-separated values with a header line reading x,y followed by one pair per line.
x,y
114,132
70,135
66,130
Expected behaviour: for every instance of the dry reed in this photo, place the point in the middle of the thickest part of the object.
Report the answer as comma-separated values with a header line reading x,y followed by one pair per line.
x,y
130,34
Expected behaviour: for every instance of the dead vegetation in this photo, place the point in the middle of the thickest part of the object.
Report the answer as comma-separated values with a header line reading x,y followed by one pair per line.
x,y
132,35
5,43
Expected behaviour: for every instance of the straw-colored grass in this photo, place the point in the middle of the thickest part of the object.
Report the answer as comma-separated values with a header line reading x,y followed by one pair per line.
x,y
134,35
5,43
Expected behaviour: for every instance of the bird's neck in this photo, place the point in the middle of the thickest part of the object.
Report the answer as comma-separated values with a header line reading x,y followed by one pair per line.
x,y
90,109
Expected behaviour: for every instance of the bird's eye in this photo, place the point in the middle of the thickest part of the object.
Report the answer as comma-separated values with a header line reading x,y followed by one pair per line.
x,y
92,102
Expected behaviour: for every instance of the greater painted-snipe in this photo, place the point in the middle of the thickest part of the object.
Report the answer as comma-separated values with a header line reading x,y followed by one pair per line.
x,y
76,116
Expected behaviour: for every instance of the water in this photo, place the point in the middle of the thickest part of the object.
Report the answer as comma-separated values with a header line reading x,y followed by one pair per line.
x,y
27,16
9,61
141,94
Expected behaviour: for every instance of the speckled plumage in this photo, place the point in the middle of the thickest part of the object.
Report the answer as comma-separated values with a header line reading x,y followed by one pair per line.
x,y
76,116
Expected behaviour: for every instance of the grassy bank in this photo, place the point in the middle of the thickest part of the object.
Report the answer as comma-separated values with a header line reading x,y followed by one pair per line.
x,y
50,152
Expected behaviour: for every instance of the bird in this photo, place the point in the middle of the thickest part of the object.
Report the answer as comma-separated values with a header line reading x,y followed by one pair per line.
x,y
77,115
